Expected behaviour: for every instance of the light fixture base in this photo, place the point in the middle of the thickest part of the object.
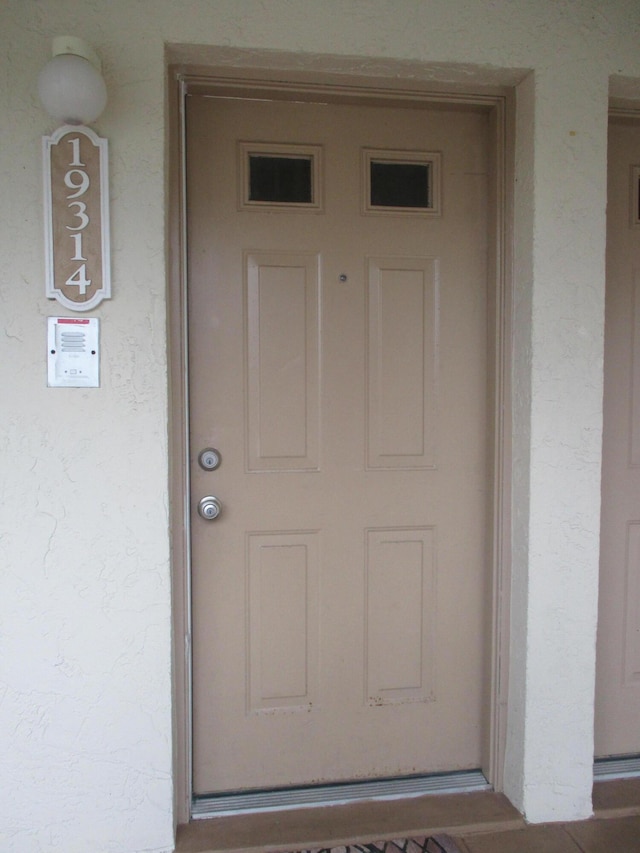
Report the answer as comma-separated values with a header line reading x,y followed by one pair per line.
x,y
77,47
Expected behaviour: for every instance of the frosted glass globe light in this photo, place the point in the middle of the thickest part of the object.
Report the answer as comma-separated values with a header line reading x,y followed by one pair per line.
x,y
70,85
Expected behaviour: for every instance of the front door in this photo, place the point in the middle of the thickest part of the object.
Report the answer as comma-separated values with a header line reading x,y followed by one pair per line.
x,y
617,707
337,298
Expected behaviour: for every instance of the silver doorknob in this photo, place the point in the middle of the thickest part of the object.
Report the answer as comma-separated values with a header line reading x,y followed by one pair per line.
x,y
209,508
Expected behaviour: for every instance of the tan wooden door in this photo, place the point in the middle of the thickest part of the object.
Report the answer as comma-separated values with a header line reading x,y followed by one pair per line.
x,y
337,342
617,709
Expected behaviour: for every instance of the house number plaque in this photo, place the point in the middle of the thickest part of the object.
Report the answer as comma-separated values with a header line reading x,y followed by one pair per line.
x,y
76,193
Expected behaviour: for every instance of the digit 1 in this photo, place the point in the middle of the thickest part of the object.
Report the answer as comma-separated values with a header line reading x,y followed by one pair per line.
x,y
78,249
75,144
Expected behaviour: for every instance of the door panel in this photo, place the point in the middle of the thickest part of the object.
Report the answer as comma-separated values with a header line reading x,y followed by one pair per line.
x,y
617,708
401,591
401,346
283,370
338,363
283,570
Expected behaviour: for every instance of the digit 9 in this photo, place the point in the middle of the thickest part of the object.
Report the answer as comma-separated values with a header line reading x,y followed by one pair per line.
x,y
80,186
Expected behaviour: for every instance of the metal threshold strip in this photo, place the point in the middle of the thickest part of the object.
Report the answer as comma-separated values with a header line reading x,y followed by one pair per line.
x,y
215,805
622,767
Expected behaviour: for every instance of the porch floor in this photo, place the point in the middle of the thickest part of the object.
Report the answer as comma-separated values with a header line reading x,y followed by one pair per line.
x,y
479,823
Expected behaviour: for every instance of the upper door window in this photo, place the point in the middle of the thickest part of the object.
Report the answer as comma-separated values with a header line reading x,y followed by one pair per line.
x,y
401,182
280,176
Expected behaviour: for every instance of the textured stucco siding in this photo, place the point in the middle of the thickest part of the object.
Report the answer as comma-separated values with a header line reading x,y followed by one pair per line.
x,y
85,611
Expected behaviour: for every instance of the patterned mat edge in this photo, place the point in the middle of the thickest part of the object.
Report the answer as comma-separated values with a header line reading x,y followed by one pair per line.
x,y
425,844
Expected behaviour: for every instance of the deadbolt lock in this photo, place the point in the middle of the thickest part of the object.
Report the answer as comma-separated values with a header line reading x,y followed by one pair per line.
x,y
209,459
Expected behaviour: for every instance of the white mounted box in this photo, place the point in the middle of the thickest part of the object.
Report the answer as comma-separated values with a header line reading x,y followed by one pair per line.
x,y
73,352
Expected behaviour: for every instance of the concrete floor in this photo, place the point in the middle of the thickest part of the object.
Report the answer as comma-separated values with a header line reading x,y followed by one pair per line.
x,y
478,822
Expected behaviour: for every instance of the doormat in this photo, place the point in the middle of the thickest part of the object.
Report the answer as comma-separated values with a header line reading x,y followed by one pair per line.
x,y
431,844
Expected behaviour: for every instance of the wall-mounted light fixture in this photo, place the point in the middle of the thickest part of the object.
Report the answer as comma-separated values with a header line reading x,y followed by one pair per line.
x,y
70,85
76,178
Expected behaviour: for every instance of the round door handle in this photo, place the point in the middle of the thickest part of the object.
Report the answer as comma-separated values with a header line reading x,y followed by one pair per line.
x,y
209,508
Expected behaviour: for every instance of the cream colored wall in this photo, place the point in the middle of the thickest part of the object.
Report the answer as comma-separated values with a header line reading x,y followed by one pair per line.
x,y
85,698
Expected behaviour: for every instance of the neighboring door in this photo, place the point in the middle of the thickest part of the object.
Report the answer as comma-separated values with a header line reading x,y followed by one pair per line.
x,y
617,709
337,342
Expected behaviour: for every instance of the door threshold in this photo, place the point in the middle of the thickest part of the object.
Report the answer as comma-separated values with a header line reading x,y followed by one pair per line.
x,y
357,822
617,767
340,793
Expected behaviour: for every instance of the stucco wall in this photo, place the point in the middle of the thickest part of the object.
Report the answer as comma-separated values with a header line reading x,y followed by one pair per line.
x,y
85,697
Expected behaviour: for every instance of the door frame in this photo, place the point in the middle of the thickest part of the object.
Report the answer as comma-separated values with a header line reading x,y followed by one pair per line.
x,y
614,766
243,79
